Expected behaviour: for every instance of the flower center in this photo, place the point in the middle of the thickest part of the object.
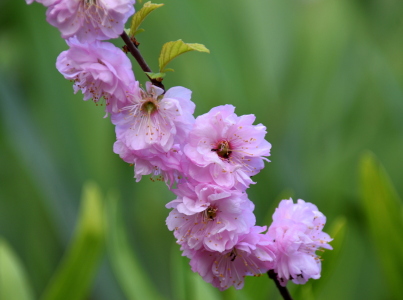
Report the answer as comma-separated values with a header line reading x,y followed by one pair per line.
x,y
149,107
233,254
223,149
90,2
210,213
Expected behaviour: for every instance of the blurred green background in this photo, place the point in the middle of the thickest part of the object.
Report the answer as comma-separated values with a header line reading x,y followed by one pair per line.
x,y
324,76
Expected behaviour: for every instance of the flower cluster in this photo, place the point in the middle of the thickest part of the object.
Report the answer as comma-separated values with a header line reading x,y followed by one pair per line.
x,y
207,162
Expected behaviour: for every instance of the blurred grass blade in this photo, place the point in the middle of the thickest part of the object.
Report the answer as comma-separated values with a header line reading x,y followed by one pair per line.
x,y
179,269
331,258
256,287
234,294
131,277
13,279
303,291
75,274
383,210
201,290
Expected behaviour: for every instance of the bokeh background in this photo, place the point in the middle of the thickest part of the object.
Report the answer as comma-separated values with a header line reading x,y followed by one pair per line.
x,y
324,76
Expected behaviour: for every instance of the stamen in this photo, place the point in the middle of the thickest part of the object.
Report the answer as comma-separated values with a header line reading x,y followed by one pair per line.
x,y
210,213
149,107
233,254
223,150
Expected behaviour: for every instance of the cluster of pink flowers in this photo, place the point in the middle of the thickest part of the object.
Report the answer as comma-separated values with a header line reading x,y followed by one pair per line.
x,y
207,162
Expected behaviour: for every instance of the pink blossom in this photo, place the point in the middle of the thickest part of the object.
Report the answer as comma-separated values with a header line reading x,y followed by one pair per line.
x,y
226,149
99,69
251,256
161,166
209,216
90,20
297,232
154,121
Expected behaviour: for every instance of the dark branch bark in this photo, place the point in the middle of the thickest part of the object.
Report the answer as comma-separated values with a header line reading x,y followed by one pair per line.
x,y
140,60
282,289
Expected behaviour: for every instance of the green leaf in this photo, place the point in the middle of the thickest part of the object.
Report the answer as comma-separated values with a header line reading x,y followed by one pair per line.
x,y
383,210
171,50
138,31
157,76
126,266
140,16
13,279
75,274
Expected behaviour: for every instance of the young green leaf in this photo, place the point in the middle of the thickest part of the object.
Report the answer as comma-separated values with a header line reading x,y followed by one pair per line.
x,y
171,50
383,210
140,16
157,76
13,281
75,274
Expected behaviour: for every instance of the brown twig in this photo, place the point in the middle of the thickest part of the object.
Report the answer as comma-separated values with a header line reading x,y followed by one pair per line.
x,y
282,289
140,60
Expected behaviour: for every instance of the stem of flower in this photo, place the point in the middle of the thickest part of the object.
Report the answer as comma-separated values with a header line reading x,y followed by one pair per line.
x,y
282,289
140,60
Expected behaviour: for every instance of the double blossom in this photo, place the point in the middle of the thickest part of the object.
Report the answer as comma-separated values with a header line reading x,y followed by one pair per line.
x,y
90,20
100,70
209,216
151,129
225,149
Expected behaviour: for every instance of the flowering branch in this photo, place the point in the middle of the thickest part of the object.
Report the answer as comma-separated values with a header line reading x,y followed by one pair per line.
x,y
282,289
140,60
209,159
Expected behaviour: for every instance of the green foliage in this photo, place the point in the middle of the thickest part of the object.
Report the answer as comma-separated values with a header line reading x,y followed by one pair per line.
x,y
255,288
140,16
304,291
127,268
179,272
172,50
383,211
200,290
13,278
74,276
331,258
